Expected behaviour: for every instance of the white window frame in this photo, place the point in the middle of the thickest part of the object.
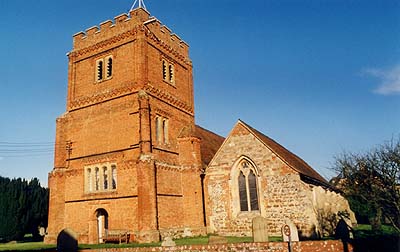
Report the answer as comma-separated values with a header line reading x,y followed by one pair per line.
x,y
98,175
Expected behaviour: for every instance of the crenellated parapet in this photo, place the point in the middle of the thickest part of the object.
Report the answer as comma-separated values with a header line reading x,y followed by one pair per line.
x,y
166,36
123,26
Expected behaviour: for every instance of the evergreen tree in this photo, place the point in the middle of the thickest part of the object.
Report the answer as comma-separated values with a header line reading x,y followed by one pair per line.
x,y
23,208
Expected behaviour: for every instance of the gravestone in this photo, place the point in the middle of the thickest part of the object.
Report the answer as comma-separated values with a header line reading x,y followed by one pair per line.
x,y
67,240
187,232
42,231
168,242
213,239
260,229
289,232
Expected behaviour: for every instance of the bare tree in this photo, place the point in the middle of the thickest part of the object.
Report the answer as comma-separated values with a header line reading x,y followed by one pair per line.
x,y
371,182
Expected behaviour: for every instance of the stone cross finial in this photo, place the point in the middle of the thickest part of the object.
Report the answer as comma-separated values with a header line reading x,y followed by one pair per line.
x,y
140,5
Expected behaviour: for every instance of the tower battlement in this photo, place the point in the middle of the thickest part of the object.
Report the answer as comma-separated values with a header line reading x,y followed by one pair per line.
x,y
137,19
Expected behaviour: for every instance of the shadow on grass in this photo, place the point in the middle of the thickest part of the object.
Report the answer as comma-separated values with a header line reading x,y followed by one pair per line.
x,y
371,241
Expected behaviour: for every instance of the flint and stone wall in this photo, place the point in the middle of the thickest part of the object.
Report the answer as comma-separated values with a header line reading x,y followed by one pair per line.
x,y
282,193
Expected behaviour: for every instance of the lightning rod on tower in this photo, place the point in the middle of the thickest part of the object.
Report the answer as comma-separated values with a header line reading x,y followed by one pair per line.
x,y
140,4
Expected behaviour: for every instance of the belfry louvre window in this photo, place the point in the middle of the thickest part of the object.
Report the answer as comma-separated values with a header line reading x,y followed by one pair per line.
x,y
100,178
247,184
109,67
164,70
168,72
104,68
99,70
171,73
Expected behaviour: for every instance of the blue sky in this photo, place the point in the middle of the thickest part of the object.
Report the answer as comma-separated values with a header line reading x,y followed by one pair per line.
x,y
318,76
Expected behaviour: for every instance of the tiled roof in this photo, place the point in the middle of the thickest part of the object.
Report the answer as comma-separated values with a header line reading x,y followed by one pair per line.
x,y
290,158
210,143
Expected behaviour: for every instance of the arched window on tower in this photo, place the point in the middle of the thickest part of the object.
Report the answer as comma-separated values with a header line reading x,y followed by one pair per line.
x,y
164,70
114,177
105,178
165,130
99,70
97,178
171,73
162,130
168,71
89,180
109,67
100,178
159,129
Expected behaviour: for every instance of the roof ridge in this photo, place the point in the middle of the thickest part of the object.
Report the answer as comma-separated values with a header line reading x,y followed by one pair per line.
x,y
294,161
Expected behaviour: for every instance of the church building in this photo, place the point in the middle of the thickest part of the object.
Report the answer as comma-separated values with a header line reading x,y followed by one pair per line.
x,y
129,156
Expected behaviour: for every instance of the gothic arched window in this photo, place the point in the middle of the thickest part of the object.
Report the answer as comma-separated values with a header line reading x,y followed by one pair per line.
x,y
247,185
243,193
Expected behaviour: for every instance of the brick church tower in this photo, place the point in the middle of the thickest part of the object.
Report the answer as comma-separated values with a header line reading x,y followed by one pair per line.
x,y
126,155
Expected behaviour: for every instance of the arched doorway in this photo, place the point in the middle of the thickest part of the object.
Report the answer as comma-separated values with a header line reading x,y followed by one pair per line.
x,y
102,223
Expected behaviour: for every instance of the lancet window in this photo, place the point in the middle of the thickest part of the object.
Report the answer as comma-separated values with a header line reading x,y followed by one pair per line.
x,y
247,185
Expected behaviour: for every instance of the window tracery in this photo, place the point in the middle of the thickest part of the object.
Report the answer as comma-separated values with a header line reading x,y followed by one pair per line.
x,y
247,187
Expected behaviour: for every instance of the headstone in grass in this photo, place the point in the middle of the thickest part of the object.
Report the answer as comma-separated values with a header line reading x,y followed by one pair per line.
x,y
168,242
187,232
67,240
215,239
289,232
260,229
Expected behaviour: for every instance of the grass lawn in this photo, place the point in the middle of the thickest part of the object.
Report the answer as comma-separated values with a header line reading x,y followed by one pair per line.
x,y
363,230
203,240
361,233
366,239
200,240
27,246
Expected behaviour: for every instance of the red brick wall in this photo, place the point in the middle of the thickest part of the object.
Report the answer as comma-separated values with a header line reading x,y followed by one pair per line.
x,y
305,246
113,121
